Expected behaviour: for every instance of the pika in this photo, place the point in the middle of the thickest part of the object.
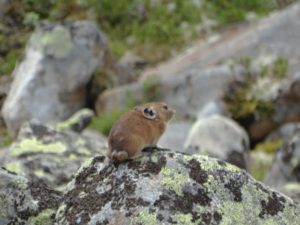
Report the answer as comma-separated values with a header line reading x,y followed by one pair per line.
x,y
136,129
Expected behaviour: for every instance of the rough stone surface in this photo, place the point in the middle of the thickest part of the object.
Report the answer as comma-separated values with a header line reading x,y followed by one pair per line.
x,y
286,165
164,187
219,137
51,154
23,202
59,62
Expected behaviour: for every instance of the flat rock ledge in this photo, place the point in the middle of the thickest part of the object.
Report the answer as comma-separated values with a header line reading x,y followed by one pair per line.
x,y
165,187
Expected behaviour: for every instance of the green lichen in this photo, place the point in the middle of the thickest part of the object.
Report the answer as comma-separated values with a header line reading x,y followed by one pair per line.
x,y
82,194
185,219
39,173
173,179
145,218
84,165
33,145
209,164
75,119
43,218
16,167
57,42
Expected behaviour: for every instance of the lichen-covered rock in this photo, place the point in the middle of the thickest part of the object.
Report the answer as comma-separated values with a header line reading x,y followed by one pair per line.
x,y
219,137
59,62
51,154
286,165
24,202
164,187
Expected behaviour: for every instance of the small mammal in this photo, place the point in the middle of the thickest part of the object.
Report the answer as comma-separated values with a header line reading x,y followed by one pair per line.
x,y
139,128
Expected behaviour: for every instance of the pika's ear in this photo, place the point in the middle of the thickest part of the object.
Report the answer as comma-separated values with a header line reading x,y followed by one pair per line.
x,y
149,113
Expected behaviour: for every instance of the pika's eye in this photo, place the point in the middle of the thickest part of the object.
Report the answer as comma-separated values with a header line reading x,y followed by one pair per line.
x,y
149,113
165,107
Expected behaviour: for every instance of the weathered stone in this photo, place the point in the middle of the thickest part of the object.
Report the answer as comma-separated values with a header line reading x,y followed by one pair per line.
x,y
286,165
59,62
175,135
219,137
23,202
51,154
164,187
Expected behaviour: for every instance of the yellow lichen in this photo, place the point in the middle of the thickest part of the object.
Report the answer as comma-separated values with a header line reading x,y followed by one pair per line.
x,y
145,218
173,179
36,146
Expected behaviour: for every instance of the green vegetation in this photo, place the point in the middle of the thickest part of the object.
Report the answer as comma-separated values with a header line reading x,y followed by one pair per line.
x,y
280,67
152,29
245,99
269,147
230,11
104,122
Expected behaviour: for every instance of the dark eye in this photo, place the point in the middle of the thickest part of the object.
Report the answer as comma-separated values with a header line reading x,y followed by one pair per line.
x,y
165,107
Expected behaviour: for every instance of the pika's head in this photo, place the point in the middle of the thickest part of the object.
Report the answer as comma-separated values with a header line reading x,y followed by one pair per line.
x,y
156,111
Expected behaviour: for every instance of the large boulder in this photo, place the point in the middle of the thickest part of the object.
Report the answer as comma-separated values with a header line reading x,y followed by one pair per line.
x,y
201,74
219,137
52,154
25,202
59,62
164,187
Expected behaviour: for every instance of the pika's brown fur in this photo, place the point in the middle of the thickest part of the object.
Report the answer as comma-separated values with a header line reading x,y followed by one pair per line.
x,y
139,128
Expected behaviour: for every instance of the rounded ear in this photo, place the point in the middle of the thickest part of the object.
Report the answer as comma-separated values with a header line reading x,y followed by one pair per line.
x,y
149,113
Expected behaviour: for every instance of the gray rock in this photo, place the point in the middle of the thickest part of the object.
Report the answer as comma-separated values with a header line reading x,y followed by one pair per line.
x,y
4,6
163,187
24,202
286,165
175,135
187,93
58,64
219,137
51,154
